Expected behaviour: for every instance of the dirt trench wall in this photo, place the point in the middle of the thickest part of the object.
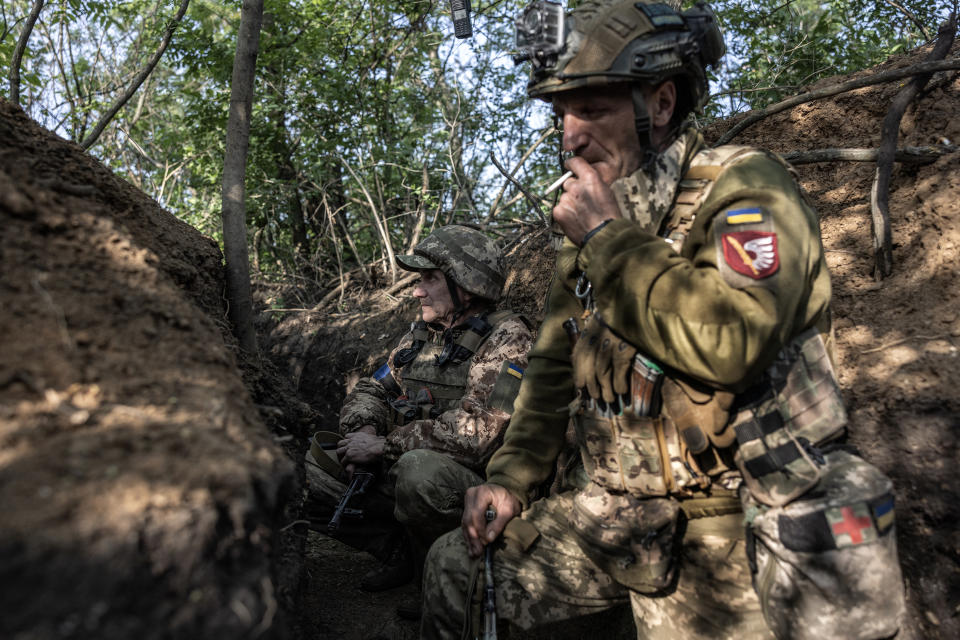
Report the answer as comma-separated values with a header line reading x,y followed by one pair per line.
x,y
140,490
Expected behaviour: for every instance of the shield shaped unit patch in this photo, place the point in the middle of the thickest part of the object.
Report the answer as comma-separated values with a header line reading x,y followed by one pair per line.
x,y
751,253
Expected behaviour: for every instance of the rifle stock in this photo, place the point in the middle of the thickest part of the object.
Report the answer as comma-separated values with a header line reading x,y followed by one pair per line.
x,y
357,487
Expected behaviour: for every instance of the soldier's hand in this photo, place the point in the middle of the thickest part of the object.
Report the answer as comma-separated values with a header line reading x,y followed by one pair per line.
x,y
477,532
360,448
586,202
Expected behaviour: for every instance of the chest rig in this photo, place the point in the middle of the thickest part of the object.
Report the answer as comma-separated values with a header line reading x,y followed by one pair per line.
x,y
681,444
433,371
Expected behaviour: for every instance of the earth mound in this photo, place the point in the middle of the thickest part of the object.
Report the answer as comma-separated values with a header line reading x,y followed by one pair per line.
x,y
141,492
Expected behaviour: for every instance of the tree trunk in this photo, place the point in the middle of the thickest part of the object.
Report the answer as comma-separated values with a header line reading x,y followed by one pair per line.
x,y
19,50
234,170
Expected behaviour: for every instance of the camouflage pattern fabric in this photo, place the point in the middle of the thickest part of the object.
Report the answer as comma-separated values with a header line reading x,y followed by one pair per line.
x,y
554,580
467,255
429,489
467,433
422,494
647,198
377,533
687,312
830,557
678,309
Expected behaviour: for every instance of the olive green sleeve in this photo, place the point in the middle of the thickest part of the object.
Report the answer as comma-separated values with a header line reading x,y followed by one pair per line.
x,y
536,431
682,309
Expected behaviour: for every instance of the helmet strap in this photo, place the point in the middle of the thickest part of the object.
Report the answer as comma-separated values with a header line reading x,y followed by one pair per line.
x,y
641,119
557,125
458,306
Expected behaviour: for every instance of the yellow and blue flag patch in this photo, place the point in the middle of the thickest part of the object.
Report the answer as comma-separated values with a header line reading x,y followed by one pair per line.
x,y
752,215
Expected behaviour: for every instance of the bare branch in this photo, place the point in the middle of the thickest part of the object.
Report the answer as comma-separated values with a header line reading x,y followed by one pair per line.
x,y
138,80
910,15
526,154
880,192
832,90
532,199
19,50
906,155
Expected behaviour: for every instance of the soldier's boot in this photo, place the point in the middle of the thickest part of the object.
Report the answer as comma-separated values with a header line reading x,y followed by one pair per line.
x,y
397,570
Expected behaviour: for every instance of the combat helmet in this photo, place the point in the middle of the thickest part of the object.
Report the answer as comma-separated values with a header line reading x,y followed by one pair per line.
x,y
466,257
604,42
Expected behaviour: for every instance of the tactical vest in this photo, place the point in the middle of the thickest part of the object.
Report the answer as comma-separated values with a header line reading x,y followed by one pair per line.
x,y
685,449
435,380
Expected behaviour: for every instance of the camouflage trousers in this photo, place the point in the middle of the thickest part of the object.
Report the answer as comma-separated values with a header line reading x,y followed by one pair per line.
x,y
422,496
552,580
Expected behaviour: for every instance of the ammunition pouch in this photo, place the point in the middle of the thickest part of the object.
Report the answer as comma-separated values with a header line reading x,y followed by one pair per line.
x,y
634,540
779,423
643,456
825,565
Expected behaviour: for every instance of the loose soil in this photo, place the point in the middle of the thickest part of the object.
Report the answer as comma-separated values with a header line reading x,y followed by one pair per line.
x,y
151,477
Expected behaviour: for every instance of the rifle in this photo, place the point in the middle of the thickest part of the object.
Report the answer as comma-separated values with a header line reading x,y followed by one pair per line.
x,y
357,487
489,592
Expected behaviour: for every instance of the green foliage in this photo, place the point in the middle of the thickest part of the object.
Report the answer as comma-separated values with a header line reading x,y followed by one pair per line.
x,y
371,115
777,48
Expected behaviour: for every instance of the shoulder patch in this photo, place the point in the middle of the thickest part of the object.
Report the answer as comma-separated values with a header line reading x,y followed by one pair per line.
x,y
751,253
506,387
747,247
752,215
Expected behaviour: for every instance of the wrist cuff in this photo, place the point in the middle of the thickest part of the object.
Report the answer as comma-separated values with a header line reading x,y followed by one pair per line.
x,y
594,231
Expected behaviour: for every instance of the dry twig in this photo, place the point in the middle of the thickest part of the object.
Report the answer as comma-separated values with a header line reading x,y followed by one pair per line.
x,y
880,192
906,155
902,340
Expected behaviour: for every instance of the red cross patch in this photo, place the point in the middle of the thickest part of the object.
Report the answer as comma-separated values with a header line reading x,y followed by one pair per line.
x,y
751,253
851,525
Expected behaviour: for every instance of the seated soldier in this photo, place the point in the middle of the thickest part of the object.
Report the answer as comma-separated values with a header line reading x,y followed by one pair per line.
x,y
428,420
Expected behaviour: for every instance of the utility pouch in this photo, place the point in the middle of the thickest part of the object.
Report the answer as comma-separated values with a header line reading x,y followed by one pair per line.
x,y
825,565
634,540
622,452
640,455
777,430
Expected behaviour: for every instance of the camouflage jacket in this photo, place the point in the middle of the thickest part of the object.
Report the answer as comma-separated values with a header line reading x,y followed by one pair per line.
x,y
468,432
700,312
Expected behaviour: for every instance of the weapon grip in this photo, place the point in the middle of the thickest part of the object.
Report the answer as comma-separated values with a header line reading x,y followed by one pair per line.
x,y
358,484
489,591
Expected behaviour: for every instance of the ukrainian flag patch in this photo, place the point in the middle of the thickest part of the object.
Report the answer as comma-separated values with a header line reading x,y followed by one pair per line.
x,y
883,513
745,216
514,370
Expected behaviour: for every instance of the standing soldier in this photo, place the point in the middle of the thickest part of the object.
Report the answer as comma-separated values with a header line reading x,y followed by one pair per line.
x,y
430,418
688,335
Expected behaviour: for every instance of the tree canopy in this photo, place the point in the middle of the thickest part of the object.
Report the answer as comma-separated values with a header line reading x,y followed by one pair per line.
x,y
371,123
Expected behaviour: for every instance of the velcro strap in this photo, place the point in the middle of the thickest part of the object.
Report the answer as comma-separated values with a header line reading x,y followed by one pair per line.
x,y
773,460
709,507
846,525
703,172
472,340
758,427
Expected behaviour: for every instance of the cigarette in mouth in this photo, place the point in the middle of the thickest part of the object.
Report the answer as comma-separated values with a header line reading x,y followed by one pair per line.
x,y
559,182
